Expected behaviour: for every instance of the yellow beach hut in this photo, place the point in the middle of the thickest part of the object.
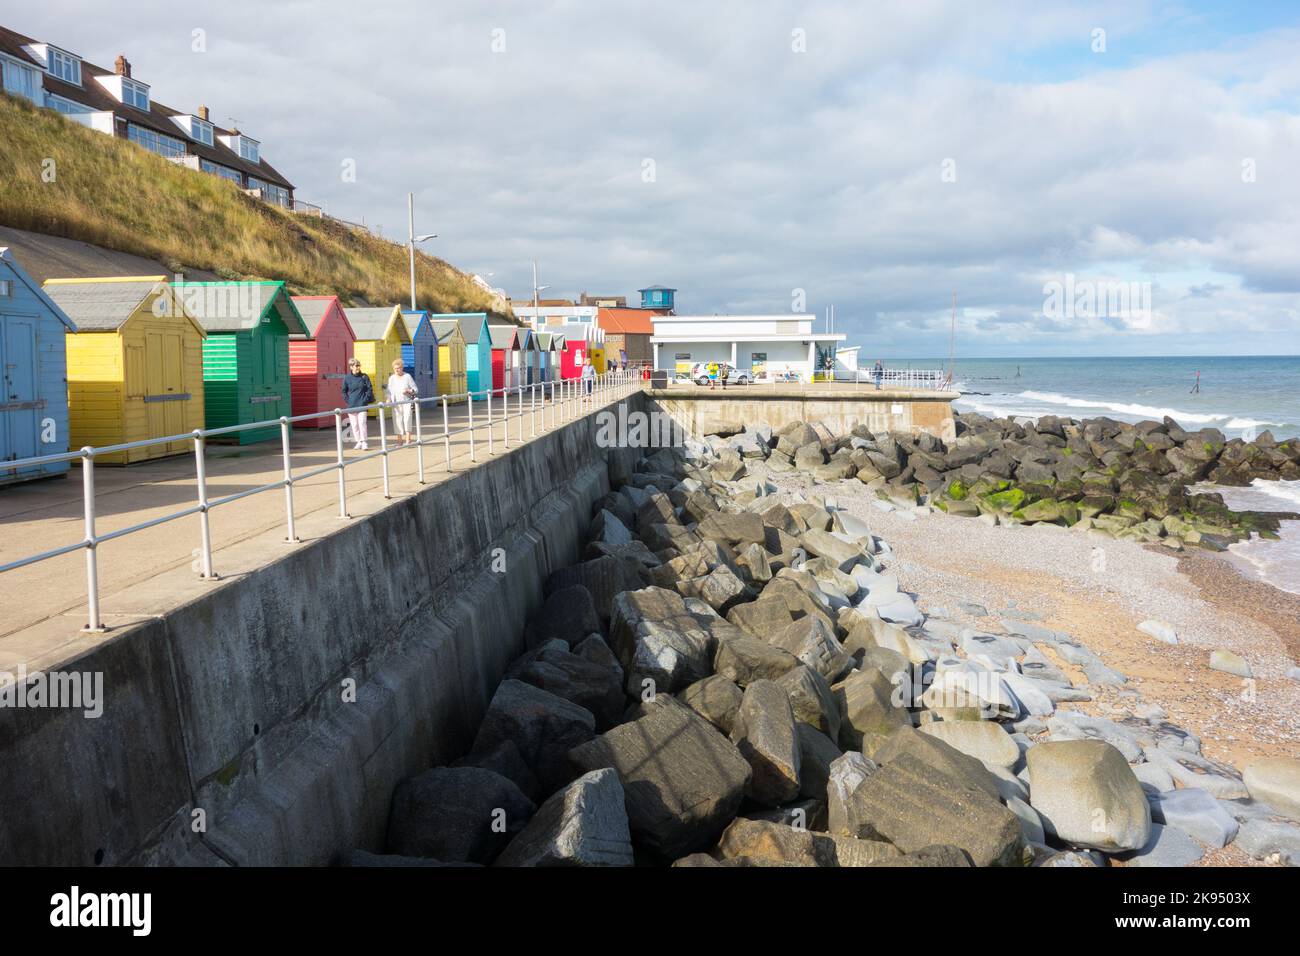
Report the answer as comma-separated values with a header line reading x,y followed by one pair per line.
x,y
135,365
451,358
381,333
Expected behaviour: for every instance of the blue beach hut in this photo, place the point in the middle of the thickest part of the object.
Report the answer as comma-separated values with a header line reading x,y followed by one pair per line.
x,y
33,372
420,355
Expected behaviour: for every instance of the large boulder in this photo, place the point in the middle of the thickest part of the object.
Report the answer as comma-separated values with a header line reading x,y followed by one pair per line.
x,y
784,845
745,659
869,705
603,578
1275,781
847,773
812,699
984,740
824,544
817,753
812,640
657,639
736,530
764,732
1087,795
568,614
682,780
543,726
595,686
914,803
456,815
716,699
585,824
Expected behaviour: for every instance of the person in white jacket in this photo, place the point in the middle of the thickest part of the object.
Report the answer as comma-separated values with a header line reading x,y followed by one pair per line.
x,y
402,388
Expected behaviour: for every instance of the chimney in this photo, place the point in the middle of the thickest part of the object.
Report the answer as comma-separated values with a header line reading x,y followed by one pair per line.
x,y
122,66
203,113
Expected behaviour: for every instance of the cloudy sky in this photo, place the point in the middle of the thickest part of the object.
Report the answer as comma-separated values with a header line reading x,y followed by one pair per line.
x,y
1102,178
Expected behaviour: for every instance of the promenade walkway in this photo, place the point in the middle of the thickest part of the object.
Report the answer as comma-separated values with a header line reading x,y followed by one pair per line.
x,y
43,606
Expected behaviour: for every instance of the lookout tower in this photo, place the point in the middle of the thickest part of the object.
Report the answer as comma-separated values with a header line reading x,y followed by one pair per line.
x,y
657,297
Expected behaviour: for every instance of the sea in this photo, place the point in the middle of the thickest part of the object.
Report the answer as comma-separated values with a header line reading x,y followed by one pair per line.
x,y
1242,396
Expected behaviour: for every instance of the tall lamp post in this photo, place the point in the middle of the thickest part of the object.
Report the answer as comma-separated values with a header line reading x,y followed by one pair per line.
x,y
536,291
413,239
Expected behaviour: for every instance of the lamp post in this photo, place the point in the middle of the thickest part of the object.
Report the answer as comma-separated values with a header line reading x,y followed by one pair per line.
x,y
413,239
537,289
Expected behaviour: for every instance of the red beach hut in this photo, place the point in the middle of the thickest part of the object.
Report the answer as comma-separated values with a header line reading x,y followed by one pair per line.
x,y
318,363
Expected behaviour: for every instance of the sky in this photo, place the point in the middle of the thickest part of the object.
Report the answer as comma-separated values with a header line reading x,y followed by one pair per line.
x,y
1110,178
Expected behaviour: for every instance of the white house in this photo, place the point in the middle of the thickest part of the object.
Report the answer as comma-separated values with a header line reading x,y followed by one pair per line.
x,y
772,347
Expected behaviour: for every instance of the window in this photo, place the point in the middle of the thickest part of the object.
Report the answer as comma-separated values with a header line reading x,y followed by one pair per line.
x,y
271,193
156,142
201,131
248,149
65,66
135,94
19,80
225,172
65,106
6,288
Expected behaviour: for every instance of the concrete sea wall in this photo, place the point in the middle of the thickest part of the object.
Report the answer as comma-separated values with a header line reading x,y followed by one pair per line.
x,y
269,721
840,408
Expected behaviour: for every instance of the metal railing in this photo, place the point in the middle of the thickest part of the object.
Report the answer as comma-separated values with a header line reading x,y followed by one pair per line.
x,y
566,399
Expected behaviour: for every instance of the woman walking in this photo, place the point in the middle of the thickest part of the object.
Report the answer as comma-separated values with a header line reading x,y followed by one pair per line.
x,y
357,391
401,388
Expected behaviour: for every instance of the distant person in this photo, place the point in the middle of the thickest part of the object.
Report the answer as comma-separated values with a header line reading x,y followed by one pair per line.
x,y
878,373
358,392
588,378
401,388
713,374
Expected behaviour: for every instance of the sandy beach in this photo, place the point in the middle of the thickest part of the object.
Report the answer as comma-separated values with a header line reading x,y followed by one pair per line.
x,y
1099,591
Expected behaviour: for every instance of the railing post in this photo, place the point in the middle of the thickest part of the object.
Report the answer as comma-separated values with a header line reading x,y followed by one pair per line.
x,y
383,448
201,479
342,464
92,559
521,414
532,407
505,416
470,403
491,446
292,534
419,444
446,432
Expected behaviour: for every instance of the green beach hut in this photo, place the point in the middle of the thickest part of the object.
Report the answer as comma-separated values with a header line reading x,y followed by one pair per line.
x,y
246,354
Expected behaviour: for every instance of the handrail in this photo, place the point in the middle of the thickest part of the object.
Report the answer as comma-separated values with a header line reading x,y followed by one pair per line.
x,y
564,397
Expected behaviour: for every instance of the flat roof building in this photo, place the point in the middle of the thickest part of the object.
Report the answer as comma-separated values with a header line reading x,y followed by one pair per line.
x,y
771,347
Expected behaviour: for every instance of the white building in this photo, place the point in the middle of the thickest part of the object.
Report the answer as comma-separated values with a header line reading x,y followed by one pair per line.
x,y
547,318
772,347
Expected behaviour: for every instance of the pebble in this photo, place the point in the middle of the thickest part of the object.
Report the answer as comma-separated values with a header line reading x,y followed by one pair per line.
x,y
1229,663
1196,813
1161,631
1168,846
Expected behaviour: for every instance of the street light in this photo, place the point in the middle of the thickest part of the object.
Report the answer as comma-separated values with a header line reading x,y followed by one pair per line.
x,y
413,239
537,289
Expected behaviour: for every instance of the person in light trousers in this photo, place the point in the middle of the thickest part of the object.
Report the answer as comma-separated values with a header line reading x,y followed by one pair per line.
x,y
358,391
588,377
401,388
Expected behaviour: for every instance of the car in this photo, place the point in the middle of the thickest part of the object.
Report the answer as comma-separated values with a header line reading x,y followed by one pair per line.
x,y
726,375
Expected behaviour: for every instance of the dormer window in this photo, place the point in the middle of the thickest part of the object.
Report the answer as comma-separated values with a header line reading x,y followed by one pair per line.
x,y
64,66
197,129
135,94
248,149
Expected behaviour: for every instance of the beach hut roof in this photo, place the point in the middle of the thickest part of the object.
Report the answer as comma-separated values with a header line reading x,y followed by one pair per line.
x,y
445,327
471,324
375,324
504,336
545,340
412,320
104,305
7,257
313,309
216,311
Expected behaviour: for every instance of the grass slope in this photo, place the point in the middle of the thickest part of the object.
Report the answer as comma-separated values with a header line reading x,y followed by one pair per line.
x,y
112,193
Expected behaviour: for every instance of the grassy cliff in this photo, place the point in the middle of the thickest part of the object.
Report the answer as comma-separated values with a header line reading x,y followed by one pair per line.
x,y
112,193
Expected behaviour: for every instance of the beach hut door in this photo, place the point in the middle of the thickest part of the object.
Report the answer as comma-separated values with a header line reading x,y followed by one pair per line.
x,y
18,405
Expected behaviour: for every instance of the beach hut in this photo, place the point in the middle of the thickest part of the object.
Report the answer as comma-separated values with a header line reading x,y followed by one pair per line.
x,y
135,365
478,351
420,355
505,356
381,333
451,358
545,353
573,353
318,362
246,354
530,360
34,373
